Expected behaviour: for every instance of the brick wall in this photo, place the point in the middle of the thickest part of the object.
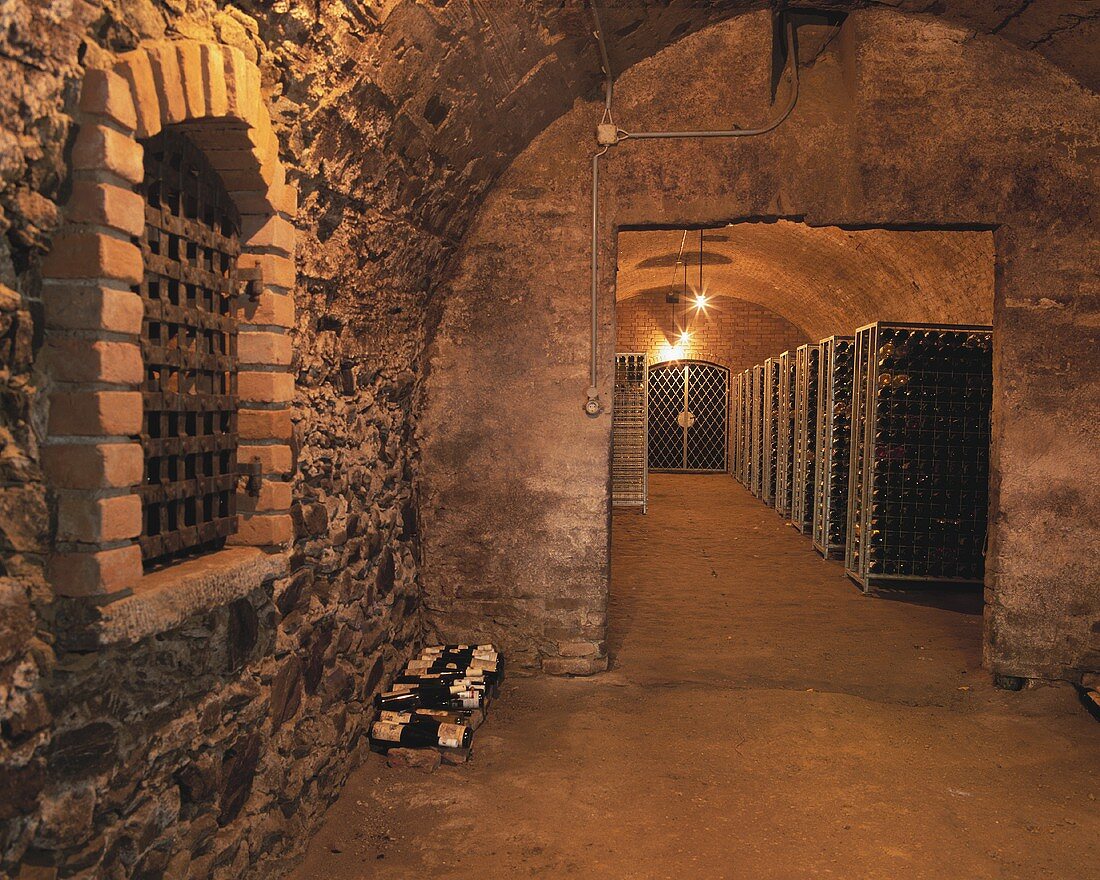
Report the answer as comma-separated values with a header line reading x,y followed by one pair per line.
x,y
731,332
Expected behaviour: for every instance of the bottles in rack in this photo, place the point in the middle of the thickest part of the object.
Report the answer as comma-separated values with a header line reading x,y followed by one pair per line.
x,y
805,446
784,473
920,458
834,396
771,430
879,447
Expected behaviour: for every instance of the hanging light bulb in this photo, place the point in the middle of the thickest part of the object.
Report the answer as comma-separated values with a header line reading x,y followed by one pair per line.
x,y
701,301
685,337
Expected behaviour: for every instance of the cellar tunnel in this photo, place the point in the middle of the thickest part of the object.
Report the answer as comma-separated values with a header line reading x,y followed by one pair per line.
x,y
310,325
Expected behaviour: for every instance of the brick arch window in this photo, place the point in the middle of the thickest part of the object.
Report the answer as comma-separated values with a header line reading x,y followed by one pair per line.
x,y
168,300
189,248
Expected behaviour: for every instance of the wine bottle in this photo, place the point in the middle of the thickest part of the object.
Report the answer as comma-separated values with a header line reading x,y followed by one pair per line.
x,y
415,667
420,733
405,701
440,715
432,687
491,656
449,677
443,665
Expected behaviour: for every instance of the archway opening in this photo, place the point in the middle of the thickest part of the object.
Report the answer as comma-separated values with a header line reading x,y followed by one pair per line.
x,y
751,298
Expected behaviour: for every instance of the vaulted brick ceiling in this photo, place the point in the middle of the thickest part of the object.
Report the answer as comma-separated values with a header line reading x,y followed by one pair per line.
x,y
824,280
416,107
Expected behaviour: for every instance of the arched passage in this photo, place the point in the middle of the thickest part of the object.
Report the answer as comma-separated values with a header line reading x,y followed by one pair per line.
x,y
862,150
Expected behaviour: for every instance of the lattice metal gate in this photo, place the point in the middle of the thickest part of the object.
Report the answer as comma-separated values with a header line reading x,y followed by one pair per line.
x,y
688,416
629,420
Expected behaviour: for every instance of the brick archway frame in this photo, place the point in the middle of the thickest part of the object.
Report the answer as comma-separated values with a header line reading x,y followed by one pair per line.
x,y
93,459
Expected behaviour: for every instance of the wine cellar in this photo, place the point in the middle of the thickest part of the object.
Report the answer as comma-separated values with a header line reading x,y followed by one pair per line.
x,y
834,408
879,444
730,368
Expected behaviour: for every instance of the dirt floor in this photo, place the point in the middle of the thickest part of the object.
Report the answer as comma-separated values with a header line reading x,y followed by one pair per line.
x,y
762,719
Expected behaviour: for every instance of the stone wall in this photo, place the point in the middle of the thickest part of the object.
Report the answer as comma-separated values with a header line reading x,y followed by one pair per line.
x,y
984,143
730,332
210,748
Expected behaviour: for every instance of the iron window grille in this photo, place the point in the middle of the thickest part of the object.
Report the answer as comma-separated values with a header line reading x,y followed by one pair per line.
x,y
189,247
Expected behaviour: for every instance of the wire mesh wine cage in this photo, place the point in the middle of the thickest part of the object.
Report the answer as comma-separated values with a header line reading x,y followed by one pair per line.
x,y
784,449
805,430
919,474
834,411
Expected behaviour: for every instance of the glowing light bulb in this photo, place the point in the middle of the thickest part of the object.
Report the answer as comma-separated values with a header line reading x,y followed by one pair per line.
x,y
700,301
685,338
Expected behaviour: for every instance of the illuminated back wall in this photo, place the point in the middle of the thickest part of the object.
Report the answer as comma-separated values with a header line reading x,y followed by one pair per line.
x,y
727,331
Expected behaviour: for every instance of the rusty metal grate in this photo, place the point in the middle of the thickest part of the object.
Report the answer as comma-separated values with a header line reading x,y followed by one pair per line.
x,y
189,348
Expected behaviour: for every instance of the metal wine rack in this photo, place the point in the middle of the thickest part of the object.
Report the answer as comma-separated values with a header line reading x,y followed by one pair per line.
x,y
737,393
630,431
784,455
771,429
756,463
805,426
744,441
834,417
920,455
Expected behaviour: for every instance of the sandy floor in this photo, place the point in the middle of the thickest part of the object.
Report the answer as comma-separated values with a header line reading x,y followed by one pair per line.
x,y
762,719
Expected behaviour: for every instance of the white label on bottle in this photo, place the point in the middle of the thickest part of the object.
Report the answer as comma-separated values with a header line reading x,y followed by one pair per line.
x,y
468,699
387,731
395,717
450,735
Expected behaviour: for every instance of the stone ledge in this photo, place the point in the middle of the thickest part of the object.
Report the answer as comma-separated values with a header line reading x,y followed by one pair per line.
x,y
164,599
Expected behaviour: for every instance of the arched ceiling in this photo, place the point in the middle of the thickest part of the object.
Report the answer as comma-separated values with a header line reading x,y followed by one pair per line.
x,y
824,280
416,107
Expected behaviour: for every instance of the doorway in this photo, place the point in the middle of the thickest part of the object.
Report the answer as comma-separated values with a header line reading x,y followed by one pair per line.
x,y
688,417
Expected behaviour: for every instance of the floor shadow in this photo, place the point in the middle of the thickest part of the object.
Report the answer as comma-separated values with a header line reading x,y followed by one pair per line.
x,y
961,600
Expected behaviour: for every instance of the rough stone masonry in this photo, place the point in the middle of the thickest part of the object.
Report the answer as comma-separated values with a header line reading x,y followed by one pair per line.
x,y
211,748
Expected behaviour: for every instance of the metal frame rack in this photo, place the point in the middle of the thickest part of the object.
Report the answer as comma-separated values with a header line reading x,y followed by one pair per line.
x,y
746,425
737,393
771,430
834,412
802,493
630,432
756,462
920,455
784,477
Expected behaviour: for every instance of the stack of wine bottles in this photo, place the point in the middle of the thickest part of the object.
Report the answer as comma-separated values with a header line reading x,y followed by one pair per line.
x,y
439,699
920,456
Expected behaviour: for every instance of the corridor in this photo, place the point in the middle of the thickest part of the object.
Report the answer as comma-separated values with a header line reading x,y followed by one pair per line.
x,y
762,719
